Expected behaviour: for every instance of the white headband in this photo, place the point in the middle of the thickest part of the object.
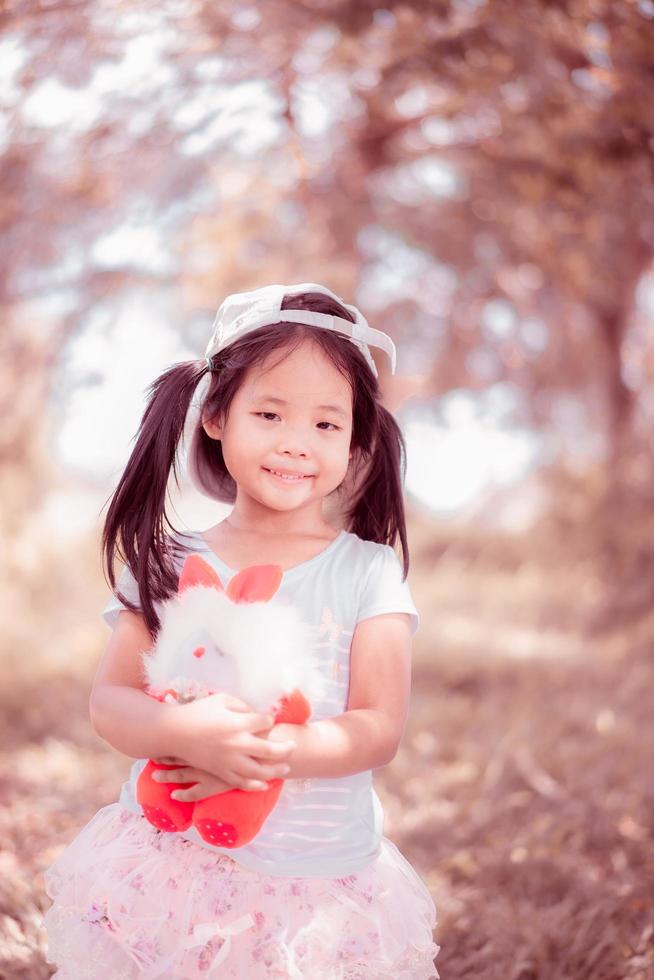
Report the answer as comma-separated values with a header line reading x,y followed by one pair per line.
x,y
239,314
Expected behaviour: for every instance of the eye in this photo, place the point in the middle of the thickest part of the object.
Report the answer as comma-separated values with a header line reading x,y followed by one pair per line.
x,y
336,427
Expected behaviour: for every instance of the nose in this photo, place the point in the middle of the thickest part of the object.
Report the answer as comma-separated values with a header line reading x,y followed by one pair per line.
x,y
293,443
286,450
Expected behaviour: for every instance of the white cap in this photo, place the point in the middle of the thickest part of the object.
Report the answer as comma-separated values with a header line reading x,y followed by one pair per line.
x,y
239,314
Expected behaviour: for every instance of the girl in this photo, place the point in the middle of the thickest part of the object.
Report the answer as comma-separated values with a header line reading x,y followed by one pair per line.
x,y
283,420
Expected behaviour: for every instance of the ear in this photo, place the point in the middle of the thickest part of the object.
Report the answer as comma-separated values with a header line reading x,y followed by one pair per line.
x,y
257,583
213,429
196,571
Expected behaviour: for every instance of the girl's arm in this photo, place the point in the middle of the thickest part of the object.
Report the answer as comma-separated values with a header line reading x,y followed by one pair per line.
x,y
120,711
134,723
368,734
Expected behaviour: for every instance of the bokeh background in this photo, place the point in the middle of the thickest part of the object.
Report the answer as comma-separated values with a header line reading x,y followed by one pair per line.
x,y
478,178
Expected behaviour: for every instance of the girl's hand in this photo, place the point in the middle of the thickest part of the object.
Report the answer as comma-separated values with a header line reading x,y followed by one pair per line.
x,y
218,735
205,783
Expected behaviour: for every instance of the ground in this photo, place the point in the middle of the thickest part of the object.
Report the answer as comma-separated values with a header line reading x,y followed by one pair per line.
x,y
522,792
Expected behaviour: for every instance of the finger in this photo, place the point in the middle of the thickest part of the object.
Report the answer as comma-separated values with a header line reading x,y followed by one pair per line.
x,y
250,785
200,791
235,704
191,793
184,775
251,769
237,780
257,722
261,748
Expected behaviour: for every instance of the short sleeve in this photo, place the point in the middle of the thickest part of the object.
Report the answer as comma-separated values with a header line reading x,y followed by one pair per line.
x,y
127,584
384,591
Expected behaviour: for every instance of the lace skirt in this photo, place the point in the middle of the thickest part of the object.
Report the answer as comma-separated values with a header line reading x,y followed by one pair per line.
x,y
132,902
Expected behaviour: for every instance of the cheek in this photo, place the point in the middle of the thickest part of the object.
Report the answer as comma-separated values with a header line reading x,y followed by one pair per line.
x,y
241,444
339,460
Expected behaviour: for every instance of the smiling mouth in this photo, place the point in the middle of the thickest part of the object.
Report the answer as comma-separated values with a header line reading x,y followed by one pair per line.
x,y
287,479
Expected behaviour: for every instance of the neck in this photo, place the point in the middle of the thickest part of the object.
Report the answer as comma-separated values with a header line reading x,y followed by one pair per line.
x,y
274,529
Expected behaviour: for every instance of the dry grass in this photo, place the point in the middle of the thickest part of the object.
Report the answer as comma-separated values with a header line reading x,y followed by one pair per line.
x,y
522,792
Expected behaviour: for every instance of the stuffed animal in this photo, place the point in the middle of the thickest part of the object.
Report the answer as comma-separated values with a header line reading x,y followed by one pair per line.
x,y
236,640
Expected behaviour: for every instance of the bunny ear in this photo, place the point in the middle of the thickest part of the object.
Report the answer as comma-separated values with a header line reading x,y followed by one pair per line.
x,y
257,583
196,571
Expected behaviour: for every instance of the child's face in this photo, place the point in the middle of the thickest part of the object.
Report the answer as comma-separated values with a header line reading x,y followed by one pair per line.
x,y
299,437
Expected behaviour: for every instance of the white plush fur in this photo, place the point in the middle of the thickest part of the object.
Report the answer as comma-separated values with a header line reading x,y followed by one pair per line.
x,y
257,651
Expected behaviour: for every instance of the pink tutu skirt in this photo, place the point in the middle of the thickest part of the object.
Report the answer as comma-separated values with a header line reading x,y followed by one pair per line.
x,y
132,902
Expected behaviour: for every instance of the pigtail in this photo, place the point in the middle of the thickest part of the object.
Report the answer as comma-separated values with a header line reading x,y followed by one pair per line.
x,y
135,524
377,511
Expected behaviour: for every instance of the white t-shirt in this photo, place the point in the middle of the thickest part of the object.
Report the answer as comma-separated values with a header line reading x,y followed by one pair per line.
x,y
326,827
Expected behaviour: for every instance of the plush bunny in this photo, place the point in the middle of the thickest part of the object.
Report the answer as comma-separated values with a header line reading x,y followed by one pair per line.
x,y
213,639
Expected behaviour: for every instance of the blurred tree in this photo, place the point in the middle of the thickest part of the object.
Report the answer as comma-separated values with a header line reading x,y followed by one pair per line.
x,y
478,173
510,143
